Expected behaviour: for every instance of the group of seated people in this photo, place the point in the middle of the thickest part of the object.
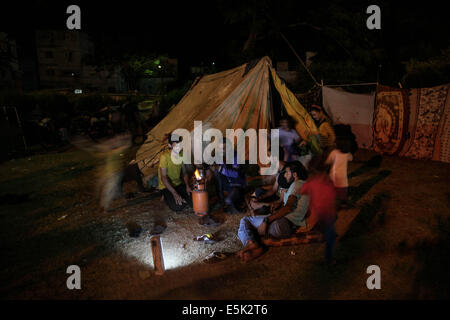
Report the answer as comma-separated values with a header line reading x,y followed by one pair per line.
x,y
300,190
229,181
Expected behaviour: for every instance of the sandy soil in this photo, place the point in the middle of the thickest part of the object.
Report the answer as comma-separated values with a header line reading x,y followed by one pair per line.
x,y
395,224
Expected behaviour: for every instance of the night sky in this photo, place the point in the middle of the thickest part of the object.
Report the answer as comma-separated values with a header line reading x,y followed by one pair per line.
x,y
198,31
171,27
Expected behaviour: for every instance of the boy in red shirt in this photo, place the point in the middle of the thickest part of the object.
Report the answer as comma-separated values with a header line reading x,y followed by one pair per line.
x,y
322,198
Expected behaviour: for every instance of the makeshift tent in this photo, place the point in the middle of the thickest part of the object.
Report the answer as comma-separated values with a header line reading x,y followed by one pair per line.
x,y
243,97
353,109
413,123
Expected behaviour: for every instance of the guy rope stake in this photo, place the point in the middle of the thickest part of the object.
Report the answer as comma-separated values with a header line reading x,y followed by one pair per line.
x,y
158,260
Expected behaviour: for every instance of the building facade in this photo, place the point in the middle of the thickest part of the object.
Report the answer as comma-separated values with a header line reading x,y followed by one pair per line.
x,y
62,56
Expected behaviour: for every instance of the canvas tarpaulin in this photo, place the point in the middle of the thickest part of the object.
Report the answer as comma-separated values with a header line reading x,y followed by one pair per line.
x,y
353,109
232,99
304,124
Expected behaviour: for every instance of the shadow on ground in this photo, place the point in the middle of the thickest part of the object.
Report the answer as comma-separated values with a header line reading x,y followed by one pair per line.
x,y
349,249
433,278
369,165
356,193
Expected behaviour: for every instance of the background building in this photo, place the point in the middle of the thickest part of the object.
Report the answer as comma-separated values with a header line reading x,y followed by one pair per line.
x,y
10,71
62,57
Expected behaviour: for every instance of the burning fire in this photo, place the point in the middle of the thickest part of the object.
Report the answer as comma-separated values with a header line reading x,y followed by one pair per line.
x,y
197,175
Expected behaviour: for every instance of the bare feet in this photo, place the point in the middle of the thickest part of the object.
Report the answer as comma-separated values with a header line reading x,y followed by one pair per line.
x,y
249,246
251,251
252,254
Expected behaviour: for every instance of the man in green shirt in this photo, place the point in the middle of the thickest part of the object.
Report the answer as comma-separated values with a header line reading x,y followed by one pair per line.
x,y
177,194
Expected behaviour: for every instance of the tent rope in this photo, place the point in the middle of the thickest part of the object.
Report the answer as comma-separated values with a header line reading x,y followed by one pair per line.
x,y
298,57
290,46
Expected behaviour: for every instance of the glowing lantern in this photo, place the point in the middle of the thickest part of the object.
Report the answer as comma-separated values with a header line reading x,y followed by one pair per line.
x,y
199,194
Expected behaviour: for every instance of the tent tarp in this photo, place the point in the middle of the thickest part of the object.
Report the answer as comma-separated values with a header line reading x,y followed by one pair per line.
x,y
353,109
231,99
304,123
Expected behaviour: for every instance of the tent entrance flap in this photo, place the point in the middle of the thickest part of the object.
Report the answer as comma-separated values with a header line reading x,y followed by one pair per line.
x,y
305,125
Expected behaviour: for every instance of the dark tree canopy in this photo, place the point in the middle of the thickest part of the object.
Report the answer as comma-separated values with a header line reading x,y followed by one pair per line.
x,y
230,32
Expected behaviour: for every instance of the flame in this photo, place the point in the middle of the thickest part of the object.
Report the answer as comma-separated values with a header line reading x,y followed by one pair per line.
x,y
197,175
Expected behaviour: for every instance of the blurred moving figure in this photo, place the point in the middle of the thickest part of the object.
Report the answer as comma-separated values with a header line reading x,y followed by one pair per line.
x,y
338,159
322,204
116,170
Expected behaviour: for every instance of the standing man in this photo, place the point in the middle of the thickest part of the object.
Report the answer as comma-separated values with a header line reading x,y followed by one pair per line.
x,y
326,132
177,194
322,195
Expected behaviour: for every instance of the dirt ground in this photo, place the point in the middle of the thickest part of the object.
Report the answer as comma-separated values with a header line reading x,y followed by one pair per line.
x,y
50,219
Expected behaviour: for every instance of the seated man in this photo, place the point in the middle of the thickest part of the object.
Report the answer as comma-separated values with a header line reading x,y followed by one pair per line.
x,y
177,194
259,202
230,178
282,223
